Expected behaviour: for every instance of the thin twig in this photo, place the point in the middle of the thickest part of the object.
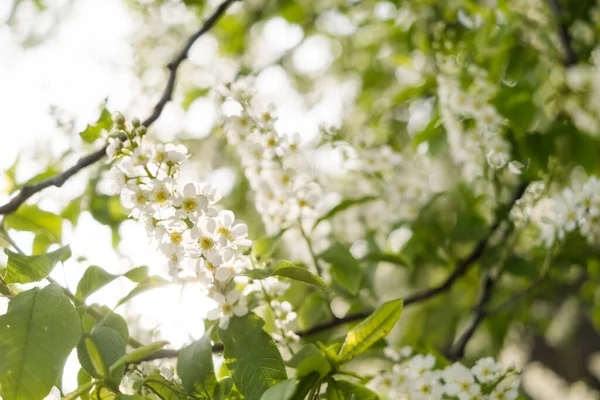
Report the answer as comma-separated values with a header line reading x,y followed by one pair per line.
x,y
58,180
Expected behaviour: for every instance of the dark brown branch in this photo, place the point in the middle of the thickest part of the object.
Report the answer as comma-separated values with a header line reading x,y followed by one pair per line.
x,y
58,180
563,34
458,350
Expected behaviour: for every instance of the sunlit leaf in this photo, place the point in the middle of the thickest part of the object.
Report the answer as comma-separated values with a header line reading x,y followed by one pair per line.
x,y
25,269
37,333
374,327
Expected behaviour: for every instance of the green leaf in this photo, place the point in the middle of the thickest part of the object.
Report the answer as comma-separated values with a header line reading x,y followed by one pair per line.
x,y
282,391
192,95
309,359
115,321
346,390
93,132
137,274
93,279
344,267
40,245
313,310
32,219
305,385
195,367
152,282
37,333
343,205
369,331
136,355
25,269
164,389
519,266
289,270
223,389
72,211
263,248
251,356
99,351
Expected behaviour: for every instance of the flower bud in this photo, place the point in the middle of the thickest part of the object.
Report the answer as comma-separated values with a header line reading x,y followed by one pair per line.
x,y
135,122
140,130
119,119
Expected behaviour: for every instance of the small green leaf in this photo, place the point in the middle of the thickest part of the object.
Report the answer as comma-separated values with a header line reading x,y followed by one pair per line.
x,y
137,274
305,385
263,248
193,94
195,367
309,359
93,132
344,267
369,331
346,390
152,282
25,269
313,310
282,391
99,351
343,205
93,279
32,219
37,333
519,266
136,355
164,389
115,321
251,356
289,270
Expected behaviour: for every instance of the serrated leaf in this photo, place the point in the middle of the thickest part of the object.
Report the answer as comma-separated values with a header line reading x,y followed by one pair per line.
x,y
152,282
195,367
374,327
343,205
30,218
251,356
37,333
93,279
344,267
25,269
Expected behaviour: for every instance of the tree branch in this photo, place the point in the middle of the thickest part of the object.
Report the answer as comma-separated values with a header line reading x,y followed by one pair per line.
x,y
563,34
461,268
458,350
58,180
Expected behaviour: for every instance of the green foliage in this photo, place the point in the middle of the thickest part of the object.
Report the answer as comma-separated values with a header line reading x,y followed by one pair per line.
x,y
99,351
94,278
37,333
310,359
251,356
25,269
195,367
286,269
346,390
343,205
151,282
30,218
376,326
93,132
344,267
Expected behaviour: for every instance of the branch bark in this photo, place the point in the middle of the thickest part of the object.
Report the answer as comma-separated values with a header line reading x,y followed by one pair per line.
x,y
58,180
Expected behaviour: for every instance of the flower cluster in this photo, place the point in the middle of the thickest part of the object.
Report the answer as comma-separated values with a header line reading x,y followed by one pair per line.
x,y
419,378
575,208
194,235
472,124
284,195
